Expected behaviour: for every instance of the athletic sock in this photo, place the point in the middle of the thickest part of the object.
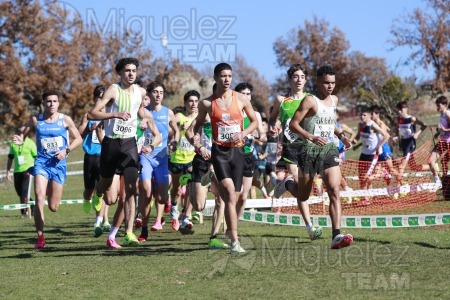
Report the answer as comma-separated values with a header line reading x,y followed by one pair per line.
x,y
98,221
308,227
263,190
336,232
213,237
113,232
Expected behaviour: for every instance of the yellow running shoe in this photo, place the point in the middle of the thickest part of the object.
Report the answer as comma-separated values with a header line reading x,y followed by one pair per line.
x,y
97,202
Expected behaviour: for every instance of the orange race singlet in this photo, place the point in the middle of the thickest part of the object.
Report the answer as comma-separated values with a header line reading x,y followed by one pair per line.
x,y
225,123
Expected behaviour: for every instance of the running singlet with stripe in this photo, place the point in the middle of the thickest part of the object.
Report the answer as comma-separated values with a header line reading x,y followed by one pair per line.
x,y
225,123
91,143
51,137
117,128
287,110
406,127
248,146
185,151
322,123
161,119
369,138
206,136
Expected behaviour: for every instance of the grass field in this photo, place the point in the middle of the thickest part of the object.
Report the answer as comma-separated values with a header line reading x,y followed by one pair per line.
x,y
281,262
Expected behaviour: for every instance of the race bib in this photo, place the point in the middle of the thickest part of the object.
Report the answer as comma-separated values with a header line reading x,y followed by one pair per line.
x,y
20,159
225,133
405,131
94,138
291,136
148,138
326,131
122,127
272,148
52,144
185,145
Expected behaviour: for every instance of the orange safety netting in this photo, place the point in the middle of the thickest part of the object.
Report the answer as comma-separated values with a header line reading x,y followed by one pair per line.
x,y
381,188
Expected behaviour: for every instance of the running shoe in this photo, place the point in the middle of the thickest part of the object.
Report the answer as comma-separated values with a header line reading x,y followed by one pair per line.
x,y
206,179
138,222
175,224
215,243
40,244
106,227
156,227
280,188
111,243
130,240
341,241
174,214
87,206
236,248
143,237
97,202
98,231
186,224
315,232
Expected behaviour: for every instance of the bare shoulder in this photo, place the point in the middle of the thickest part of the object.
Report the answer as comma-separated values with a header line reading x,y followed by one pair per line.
x,y
206,102
143,91
280,98
335,98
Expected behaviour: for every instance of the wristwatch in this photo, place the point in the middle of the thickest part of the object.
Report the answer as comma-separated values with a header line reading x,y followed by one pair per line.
x,y
67,151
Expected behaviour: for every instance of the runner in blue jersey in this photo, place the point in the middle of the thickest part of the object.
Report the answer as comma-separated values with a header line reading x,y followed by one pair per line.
x,y
53,145
155,165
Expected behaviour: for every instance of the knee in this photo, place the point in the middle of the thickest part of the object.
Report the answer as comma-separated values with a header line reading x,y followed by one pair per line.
x,y
333,192
53,207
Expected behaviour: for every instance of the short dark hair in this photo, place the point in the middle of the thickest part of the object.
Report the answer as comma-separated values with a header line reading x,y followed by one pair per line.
x,y
51,93
441,100
297,67
375,109
242,86
220,67
153,85
179,110
98,90
191,93
325,70
126,61
402,104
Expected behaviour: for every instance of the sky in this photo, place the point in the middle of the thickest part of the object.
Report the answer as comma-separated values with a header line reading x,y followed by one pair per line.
x,y
204,33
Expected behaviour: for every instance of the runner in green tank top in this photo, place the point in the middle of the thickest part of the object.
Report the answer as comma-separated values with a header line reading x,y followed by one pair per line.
x,y
246,88
315,123
285,107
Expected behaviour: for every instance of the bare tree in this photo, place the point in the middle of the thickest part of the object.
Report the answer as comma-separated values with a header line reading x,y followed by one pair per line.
x,y
427,33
